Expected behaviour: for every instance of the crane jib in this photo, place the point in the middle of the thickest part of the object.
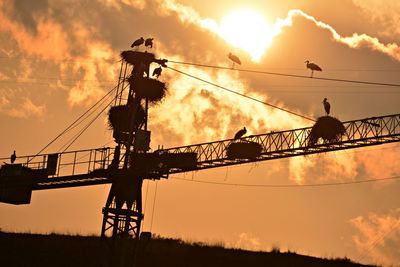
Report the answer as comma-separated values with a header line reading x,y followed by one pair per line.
x,y
93,166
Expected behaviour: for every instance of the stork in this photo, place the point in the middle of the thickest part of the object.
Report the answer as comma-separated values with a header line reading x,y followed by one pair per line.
x,y
138,42
149,42
157,72
240,133
13,157
312,67
327,106
234,59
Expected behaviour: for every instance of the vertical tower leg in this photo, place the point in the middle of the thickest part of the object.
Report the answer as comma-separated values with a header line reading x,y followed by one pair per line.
x,y
122,214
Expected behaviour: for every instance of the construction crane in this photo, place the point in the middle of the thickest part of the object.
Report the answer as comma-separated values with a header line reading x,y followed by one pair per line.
x,y
126,165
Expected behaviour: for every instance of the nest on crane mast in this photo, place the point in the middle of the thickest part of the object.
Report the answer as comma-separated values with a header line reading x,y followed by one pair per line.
x,y
146,88
243,150
120,117
328,128
136,57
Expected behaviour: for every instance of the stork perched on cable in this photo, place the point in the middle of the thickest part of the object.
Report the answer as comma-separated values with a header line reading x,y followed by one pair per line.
x,y
234,59
13,157
138,42
240,133
327,106
312,67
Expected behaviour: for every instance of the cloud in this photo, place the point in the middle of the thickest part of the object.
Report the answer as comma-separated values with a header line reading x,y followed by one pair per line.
x,y
189,15
384,13
378,237
210,112
25,109
49,42
119,4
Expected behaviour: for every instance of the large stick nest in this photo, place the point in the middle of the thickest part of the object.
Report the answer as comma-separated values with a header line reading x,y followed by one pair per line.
x,y
120,117
147,88
328,128
136,57
243,150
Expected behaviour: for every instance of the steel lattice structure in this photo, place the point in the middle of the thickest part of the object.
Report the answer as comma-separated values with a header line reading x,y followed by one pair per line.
x,y
93,169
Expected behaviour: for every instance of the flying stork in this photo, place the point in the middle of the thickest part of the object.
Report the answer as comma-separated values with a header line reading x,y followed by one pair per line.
x,y
149,42
240,133
312,67
138,42
234,59
327,106
13,157
157,72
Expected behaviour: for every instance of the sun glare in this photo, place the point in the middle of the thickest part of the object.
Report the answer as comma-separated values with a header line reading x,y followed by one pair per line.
x,y
248,30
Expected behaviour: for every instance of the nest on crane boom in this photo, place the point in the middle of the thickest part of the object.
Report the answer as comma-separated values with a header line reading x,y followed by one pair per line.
x,y
243,150
146,88
328,128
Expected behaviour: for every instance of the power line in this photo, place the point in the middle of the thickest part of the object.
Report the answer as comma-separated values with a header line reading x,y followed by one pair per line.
x,y
246,96
286,74
289,185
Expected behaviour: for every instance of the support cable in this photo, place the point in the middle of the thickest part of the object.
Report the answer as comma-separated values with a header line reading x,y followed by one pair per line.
x,y
288,185
243,95
285,74
73,123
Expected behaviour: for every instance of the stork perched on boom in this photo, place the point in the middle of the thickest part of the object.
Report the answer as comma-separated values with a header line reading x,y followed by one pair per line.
x,y
327,106
240,133
13,157
312,67
235,59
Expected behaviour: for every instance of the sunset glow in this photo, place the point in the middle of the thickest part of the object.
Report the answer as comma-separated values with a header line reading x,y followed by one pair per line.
x,y
248,30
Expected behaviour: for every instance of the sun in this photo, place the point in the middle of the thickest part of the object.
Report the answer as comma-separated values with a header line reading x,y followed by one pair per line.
x,y
248,30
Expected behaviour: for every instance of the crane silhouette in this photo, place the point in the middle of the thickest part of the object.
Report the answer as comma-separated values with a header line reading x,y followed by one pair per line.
x,y
240,133
312,66
138,42
234,59
127,165
327,106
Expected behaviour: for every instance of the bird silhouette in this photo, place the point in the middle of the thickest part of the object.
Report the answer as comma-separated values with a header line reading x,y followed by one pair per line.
x,y
149,42
157,72
312,67
13,157
240,133
234,59
327,106
138,42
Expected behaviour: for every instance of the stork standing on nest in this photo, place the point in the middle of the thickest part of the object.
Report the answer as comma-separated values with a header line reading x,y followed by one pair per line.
x,y
138,42
312,67
235,59
149,42
327,106
240,133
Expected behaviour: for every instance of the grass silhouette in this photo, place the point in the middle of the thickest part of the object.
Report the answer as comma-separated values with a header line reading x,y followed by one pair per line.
x,y
19,249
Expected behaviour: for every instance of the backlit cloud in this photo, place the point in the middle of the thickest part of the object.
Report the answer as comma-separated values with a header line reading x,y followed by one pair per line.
x,y
378,237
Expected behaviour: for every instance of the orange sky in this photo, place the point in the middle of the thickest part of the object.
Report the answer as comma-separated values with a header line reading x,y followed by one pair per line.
x,y
57,58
